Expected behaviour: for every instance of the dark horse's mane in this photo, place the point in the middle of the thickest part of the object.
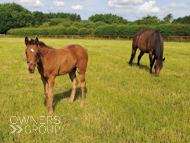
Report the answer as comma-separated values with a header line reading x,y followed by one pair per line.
x,y
32,41
158,48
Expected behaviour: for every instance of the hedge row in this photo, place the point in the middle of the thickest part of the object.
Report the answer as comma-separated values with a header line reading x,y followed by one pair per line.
x,y
165,30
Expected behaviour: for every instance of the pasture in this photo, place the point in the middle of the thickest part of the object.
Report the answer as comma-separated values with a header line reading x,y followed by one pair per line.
x,y
123,103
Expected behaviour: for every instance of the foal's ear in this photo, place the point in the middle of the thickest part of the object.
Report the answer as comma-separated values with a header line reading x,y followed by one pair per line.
x,y
36,41
26,40
163,59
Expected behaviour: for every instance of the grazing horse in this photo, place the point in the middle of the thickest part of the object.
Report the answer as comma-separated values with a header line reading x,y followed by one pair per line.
x,y
149,42
54,62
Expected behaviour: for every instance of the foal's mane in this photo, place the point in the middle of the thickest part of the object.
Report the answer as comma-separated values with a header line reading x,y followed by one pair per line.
x,y
32,41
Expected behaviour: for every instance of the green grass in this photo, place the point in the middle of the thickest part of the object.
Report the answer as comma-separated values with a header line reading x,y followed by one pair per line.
x,y
123,103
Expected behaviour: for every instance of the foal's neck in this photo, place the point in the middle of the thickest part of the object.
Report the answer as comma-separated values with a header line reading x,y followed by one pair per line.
x,y
43,50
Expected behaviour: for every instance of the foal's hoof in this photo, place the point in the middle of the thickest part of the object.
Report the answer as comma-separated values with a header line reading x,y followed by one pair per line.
x,y
82,103
70,101
51,113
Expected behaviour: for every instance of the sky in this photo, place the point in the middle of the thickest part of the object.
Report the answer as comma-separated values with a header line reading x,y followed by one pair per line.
x,y
129,9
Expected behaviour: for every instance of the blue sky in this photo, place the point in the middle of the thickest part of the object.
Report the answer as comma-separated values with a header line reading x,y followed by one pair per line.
x,y
128,9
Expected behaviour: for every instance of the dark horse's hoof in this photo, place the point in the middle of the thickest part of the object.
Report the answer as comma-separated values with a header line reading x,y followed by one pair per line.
x,y
130,63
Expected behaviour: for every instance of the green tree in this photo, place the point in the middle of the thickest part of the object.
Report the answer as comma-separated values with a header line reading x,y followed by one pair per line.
x,y
182,20
39,18
168,18
108,18
148,20
86,24
13,15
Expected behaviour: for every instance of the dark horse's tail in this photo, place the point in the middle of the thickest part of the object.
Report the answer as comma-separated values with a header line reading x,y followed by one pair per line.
x,y
158,46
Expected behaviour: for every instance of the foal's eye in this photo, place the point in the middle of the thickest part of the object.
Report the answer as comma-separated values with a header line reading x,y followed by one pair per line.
x,y
26,53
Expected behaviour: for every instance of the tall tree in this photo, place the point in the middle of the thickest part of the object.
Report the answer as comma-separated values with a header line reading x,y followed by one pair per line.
x,y
13,15
38,18
168,18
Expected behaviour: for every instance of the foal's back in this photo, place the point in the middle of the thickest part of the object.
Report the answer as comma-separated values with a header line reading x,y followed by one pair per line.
x,y
70,57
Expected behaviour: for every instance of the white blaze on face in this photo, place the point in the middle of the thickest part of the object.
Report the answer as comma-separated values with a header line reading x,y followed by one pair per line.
x,y
32,50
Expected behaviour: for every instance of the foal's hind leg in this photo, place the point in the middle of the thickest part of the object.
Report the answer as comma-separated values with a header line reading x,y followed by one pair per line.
x,y
81,68
83,87
74,80
132,55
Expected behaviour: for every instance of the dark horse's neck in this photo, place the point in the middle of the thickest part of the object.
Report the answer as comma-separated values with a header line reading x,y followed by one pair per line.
x,y
158,47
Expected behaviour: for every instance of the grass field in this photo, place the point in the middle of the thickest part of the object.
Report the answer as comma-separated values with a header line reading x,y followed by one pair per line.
x,y
123,103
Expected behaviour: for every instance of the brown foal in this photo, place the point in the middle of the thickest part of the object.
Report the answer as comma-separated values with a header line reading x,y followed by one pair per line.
x,y
54,62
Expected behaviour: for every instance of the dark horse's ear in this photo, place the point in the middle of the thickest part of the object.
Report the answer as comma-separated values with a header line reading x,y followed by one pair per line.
x,y
163,59
26,40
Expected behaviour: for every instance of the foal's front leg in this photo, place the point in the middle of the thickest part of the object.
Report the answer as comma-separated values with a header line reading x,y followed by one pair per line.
x,y
45,82
50,85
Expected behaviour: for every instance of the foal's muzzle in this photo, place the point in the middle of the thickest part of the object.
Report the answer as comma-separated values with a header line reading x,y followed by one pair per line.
x,y
31,70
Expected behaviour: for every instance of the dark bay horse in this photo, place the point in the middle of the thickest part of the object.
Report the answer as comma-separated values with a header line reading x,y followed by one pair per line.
x,y
54,62
149,42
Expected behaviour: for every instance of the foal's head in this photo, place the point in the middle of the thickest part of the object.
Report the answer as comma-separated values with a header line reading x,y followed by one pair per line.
x,y
32,53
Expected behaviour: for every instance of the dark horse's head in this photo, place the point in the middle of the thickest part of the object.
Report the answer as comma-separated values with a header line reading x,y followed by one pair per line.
x,y
158,66
32,53
159,48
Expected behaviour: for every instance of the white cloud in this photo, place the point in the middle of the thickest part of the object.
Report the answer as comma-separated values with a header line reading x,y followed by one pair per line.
x,y
77,7
147,8
137,7
174,5
123,3
32,3
59,3
49,8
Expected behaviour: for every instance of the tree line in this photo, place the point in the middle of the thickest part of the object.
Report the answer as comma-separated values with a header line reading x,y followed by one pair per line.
x,y
14,16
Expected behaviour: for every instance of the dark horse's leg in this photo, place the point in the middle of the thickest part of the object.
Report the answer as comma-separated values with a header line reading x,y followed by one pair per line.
x,y
132,55
139,57
151,61
74,81
151,65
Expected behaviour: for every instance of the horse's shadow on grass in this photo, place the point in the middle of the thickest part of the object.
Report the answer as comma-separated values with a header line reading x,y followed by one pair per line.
x,y
59,96
141,66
